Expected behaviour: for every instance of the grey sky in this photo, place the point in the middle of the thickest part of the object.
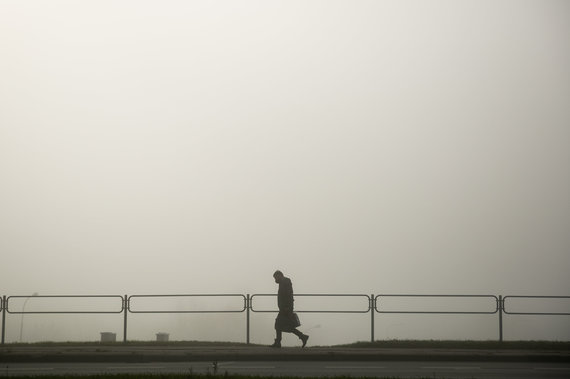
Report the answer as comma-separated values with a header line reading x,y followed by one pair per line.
x,y
359,146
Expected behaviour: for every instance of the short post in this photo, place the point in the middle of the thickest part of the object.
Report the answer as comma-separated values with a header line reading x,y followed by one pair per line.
x,y
500,306
126,310
4,305
247,307
372,310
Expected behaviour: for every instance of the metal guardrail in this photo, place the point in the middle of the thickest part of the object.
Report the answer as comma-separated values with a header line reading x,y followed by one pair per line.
x,y
7,304
492,297
497,301
534,313
130,299
371,305
367,297
6,307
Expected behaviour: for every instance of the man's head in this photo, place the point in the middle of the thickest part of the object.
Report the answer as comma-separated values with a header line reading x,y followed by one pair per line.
x,y
278,275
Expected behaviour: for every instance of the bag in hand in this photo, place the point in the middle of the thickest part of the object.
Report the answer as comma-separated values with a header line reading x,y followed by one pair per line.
x,y
296,320
287,321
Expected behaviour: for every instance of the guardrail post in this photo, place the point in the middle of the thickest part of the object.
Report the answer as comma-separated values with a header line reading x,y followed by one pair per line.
x,y
126,310
372,310
501,307
3,317
248,307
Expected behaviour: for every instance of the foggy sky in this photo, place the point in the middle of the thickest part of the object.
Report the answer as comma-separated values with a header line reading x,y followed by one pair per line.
x,y
358,146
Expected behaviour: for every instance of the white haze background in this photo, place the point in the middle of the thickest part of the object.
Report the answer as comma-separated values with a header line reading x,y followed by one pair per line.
x,y
151,147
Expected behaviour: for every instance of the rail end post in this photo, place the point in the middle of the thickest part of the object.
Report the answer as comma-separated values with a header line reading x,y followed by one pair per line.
x,y
126,311
372,310
501,307
4,305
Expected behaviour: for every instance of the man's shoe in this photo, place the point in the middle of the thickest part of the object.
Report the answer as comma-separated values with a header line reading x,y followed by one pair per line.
x,y
304,338
276,344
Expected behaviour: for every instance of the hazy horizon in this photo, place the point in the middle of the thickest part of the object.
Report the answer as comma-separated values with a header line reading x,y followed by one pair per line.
x,y
359,146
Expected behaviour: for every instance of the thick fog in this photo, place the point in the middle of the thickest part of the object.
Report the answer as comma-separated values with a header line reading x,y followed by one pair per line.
x,y
361,147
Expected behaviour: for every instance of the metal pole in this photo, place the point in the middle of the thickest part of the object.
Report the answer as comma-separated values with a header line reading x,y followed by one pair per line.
x,y
126,308
372,306
501,318
24,312
247,306
4,304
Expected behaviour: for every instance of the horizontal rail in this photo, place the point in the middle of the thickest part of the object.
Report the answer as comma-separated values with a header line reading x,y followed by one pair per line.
x,y
314,311
497,306
534,313
370,303
7,305
187,311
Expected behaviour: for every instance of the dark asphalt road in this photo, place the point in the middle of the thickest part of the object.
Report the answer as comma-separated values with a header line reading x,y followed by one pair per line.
x,y
401,369
183,353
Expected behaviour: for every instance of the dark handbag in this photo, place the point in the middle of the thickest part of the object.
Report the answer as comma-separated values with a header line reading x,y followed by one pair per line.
x,y
296,320
287,321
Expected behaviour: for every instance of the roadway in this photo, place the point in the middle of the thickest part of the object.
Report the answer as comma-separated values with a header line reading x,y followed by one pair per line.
x,y
412,369
84,359
73,353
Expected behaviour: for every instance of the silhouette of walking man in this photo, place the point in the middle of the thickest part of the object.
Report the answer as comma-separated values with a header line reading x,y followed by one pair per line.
x,y
286,320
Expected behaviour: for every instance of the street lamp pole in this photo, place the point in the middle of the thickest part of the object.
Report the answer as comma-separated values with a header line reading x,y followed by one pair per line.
x,y
22,318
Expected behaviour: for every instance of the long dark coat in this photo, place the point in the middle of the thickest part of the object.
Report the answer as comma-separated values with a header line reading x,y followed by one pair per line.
x,y
285,320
